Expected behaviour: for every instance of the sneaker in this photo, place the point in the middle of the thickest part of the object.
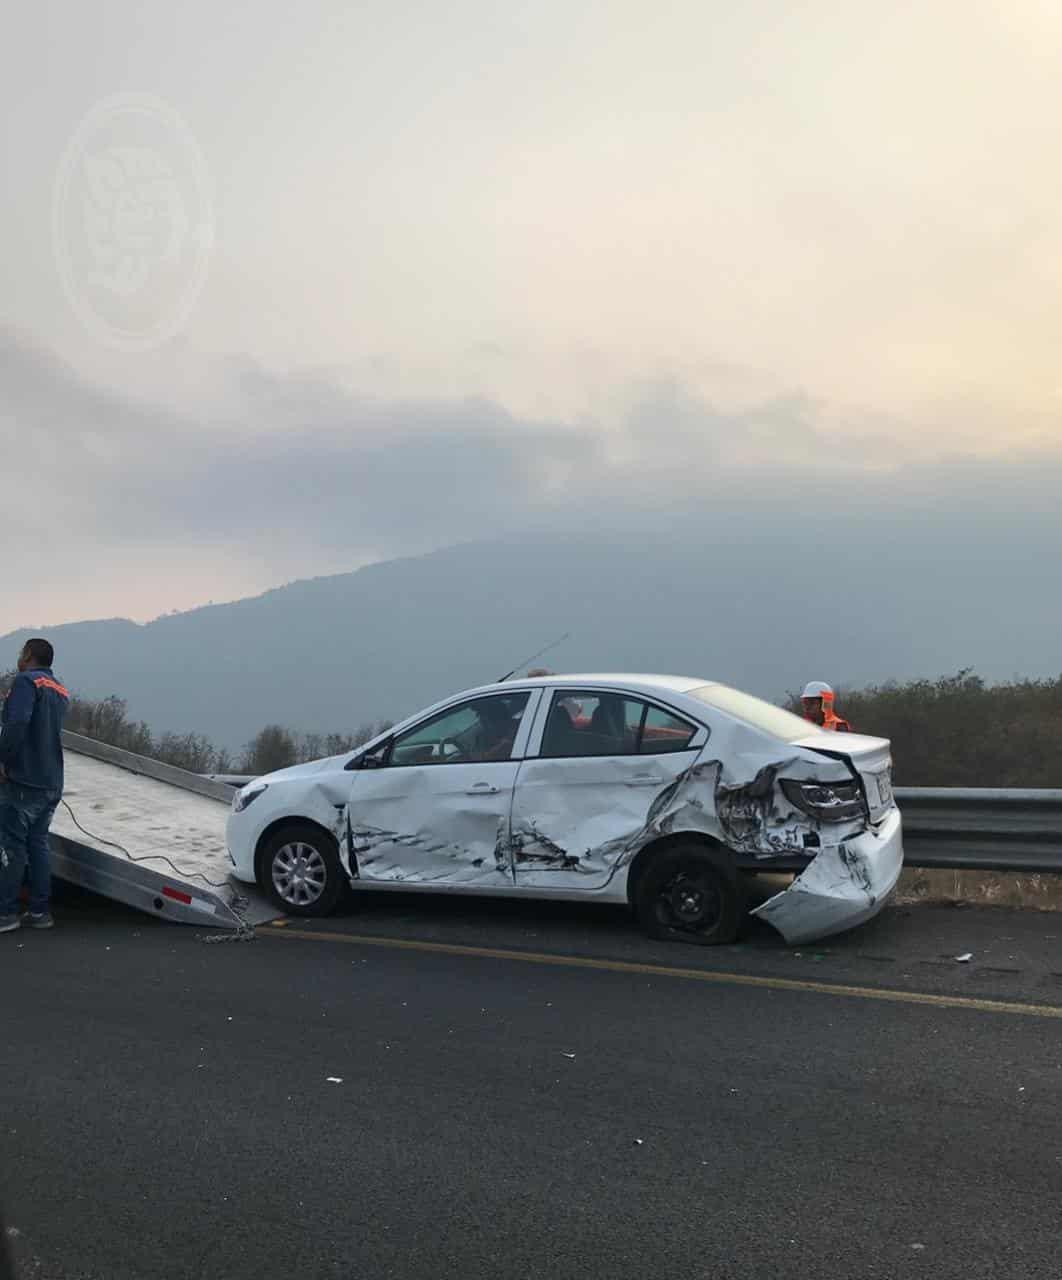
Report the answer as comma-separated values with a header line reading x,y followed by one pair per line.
x,y
39,920
9,923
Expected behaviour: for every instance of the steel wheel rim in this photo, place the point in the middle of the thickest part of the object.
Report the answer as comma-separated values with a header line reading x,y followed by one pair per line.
x,y
299,874
689,902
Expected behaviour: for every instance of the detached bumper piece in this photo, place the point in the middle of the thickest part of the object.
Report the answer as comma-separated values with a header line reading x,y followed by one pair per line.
x,y
843,886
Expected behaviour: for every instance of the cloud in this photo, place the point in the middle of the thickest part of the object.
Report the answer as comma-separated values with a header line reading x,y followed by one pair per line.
x,y
304,459
305,476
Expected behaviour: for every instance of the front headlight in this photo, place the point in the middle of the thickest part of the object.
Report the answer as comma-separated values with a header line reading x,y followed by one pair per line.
x,y
247,795
827,801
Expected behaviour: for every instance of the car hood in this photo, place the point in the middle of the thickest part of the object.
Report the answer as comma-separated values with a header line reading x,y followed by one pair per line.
x,y
331,764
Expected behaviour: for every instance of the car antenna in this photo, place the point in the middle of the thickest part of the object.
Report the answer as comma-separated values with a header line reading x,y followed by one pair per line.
x,y
539,654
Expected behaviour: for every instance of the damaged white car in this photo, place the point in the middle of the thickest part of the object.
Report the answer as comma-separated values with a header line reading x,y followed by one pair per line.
x,y
662,792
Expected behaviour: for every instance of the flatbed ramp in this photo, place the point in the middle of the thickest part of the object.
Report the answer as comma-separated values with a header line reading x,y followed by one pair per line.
x,y
151,836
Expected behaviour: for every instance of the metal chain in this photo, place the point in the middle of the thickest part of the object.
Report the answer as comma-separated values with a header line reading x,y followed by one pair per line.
x,y
244,931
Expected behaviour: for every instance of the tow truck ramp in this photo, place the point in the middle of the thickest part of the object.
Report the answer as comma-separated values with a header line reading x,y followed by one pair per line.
x,y
150,836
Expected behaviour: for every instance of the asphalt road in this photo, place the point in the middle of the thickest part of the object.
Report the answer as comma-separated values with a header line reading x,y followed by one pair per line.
x,y
531,1091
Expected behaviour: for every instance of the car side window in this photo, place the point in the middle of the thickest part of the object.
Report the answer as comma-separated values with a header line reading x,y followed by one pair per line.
x,y
583,723
473,732
591,724
661,732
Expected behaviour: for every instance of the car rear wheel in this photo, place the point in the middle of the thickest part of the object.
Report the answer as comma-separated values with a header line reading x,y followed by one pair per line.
x,y
690,893
300,870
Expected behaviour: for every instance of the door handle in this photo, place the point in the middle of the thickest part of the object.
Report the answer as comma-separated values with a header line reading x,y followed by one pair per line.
x,y
481,789
646,780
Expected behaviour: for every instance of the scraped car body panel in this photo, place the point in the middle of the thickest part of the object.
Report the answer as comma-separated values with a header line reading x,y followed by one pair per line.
x,y
427,824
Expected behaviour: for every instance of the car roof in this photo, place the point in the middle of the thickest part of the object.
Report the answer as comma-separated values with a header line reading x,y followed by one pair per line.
x,y
638,682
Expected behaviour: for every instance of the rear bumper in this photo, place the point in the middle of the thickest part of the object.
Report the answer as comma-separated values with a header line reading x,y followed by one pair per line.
x,y
843,886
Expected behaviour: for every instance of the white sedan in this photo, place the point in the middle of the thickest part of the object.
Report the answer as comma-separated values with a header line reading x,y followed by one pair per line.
x,y
657,791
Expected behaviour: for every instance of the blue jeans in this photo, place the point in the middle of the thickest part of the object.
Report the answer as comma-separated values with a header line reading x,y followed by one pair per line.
x,y
25,816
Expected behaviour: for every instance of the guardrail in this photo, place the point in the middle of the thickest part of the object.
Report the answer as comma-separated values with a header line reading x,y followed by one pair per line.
x,y
975,828
981,828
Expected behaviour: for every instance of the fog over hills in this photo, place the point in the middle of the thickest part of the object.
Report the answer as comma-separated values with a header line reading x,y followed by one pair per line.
x,y
762,593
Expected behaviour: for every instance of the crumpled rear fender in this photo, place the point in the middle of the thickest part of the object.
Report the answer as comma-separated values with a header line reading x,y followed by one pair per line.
x,y
843,886
750,815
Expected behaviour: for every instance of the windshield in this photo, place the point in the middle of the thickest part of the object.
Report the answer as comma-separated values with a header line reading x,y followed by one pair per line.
x,y
761,715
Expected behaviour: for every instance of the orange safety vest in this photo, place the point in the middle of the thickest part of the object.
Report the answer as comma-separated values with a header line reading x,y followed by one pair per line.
x,y
830,719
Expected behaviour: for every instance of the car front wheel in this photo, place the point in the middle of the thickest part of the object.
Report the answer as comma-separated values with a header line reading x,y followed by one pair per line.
x,y
690,893
301,871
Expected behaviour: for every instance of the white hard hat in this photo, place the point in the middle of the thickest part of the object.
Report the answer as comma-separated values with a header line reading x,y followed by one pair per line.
x,y
817,689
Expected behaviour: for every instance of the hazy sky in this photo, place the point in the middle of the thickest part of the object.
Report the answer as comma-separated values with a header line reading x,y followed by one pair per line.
x,y
601,255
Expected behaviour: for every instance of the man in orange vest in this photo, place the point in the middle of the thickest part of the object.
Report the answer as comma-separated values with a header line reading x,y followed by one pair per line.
x,y
817,701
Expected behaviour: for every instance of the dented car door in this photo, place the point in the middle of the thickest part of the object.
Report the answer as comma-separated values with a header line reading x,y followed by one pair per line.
x,y
601,764
434,806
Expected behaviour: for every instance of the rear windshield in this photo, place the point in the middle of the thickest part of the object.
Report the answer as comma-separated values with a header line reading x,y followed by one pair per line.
x,y
761,715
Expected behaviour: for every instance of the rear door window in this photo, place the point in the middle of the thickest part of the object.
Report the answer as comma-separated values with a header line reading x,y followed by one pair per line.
x,y
592,723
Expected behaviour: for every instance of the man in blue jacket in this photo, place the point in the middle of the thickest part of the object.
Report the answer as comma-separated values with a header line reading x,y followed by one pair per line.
x,y
31,784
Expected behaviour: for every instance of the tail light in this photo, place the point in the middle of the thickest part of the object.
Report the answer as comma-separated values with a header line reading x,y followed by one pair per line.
x,y
827,801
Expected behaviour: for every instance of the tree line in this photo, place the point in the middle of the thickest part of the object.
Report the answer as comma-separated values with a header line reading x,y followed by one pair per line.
x,y
273,747
959,731
956,731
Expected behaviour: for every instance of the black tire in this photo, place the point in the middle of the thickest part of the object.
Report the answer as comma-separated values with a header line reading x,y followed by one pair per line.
x,y
299,868
690,893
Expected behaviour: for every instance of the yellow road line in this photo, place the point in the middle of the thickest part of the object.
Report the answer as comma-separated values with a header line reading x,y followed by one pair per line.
x,y
669,971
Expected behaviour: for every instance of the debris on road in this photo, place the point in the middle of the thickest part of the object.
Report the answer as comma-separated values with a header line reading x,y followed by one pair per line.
x,y
334,1080
567,1055
965,958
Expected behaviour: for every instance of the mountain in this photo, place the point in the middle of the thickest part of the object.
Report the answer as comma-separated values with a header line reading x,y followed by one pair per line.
x,y
763,605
